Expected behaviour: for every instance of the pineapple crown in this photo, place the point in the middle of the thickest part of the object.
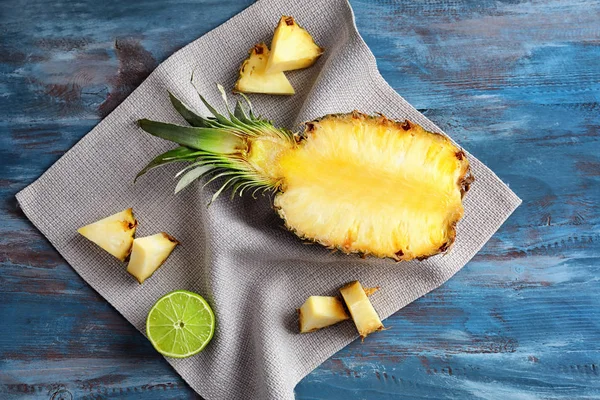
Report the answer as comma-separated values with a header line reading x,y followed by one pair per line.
x,y
216,146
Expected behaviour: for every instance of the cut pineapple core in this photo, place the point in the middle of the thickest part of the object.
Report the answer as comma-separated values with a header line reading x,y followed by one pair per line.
x,y
320,311
254,79
364,315
149,253
114,234
292,47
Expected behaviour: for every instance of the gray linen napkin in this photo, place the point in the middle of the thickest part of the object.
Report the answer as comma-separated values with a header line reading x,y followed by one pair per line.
x,y
235,253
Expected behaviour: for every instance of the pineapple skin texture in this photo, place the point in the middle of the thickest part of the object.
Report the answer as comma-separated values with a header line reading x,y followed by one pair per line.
x,y
374,186
114,234
255,79
292,47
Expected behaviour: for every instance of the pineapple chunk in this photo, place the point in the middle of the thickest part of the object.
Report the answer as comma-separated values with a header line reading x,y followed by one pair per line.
x,y
292,47
114,234
149,253
320,311
364,315
254,79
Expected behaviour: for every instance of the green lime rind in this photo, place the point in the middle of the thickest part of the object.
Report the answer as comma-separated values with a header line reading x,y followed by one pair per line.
x,y
180,324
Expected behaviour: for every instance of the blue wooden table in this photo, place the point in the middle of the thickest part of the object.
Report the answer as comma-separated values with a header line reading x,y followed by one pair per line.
x,y
516,83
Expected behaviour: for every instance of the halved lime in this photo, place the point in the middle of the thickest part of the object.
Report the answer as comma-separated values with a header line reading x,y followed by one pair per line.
x,y
180,324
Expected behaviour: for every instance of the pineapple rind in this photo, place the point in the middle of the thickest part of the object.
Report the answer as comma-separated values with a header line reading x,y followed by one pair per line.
x,y
371,290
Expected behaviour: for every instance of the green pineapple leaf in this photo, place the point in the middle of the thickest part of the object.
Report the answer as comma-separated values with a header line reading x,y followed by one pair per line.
x,y
178,154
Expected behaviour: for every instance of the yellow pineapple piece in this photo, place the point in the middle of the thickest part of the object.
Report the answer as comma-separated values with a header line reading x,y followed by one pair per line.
x,y
292,47
114,234
364,315
320,311
254,78
149,253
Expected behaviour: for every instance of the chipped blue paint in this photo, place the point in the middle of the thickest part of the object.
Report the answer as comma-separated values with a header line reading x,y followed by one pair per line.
x,y
516,83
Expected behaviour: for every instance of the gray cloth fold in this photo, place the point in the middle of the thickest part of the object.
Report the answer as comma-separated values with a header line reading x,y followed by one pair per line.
x,y
235,253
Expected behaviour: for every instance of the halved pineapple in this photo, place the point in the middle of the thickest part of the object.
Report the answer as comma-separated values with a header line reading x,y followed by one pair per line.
x,y
114,233
292,47
149,253
374,186
364,315
359,183
254,78
320,311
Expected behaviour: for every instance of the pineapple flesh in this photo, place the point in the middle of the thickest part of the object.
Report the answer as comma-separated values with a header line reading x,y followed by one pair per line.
x,y
114,234
255,79
358,183
149,253
372,185
292,47
320,311
363,314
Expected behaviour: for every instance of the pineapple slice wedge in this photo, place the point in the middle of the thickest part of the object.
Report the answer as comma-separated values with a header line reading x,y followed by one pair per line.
x,y
114,233
254,79
149,253
292,47
321,311
364,315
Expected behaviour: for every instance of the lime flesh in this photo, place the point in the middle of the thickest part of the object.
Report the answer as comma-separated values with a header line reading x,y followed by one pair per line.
x,y
180,324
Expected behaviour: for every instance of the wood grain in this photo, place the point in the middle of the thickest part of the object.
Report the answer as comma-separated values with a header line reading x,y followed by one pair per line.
x,y
516,83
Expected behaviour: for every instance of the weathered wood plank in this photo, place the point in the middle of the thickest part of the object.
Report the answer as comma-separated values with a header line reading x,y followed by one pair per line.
x,y
516,83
